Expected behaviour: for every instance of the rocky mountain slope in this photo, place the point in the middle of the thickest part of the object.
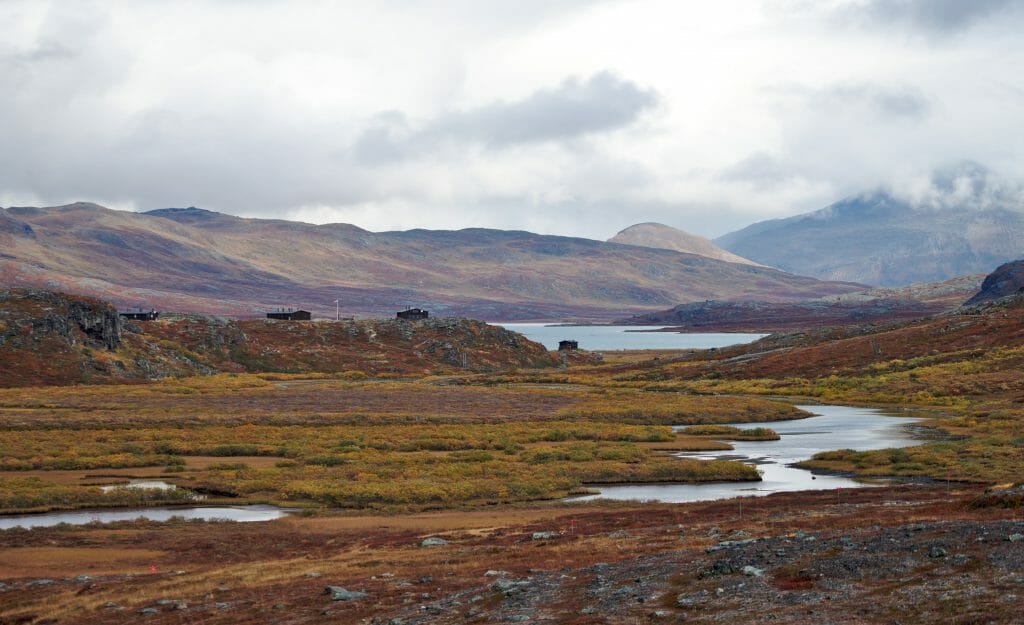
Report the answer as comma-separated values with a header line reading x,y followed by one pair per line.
x,y
54,338
201,261
879,305
1006,280
664,237
880,239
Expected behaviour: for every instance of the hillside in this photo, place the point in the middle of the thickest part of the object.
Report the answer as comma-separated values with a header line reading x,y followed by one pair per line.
x,y
878,305
664,237
714,316
201,261
993,330
53,338
879,239
1006,280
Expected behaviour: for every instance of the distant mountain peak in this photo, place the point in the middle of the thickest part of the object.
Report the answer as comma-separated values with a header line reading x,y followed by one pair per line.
x,y
659,236
958,221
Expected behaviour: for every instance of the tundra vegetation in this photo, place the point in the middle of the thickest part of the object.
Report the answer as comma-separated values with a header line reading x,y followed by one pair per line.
x,y
352,439
353,444
435,437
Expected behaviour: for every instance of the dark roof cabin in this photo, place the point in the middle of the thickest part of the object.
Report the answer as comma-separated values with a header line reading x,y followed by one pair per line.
x,y
564,346
413,314
290,315
140,315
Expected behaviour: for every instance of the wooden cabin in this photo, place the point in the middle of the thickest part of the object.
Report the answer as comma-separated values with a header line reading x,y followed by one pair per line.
x,y
565,346
413,314
290,315
140,315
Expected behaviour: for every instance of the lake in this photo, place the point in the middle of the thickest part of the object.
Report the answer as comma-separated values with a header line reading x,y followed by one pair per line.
x,y
834,427
597,338
241,514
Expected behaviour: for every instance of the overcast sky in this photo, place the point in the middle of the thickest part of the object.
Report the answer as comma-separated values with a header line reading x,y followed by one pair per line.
x,y
568,117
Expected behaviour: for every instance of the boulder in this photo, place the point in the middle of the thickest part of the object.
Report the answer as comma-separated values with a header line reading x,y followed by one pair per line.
x,y
338,593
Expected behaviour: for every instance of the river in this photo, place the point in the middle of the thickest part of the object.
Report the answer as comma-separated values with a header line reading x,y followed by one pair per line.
x,y
833,427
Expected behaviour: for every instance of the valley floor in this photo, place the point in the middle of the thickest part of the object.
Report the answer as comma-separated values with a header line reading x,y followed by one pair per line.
x,y
479,462
907,554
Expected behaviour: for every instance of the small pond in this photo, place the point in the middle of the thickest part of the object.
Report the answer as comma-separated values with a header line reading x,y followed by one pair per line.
x,y
241,514
140,484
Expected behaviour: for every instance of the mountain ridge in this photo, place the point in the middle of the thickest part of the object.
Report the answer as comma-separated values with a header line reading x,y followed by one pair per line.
x,y
240,266
880,239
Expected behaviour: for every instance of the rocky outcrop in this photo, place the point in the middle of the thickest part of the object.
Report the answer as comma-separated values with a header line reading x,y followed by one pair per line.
x,y
1007,279
55,338
30,316
366,345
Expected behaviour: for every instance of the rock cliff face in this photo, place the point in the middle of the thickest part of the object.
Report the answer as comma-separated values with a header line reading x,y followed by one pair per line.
x,y
31,317
1007,279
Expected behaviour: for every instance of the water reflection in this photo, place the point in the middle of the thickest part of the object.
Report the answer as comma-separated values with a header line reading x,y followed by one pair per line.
x,y
834,427
242,514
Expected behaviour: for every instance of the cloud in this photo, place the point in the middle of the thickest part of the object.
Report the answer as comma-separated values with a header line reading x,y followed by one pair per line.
x,y
575,108
884,102
760,169
570,117
964,185
936,17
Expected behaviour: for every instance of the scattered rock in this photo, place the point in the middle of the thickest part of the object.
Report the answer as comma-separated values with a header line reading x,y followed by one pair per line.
x,y
509,587
227,606
688,600
937,552
313,574
1015,538
726,544
40,582
174,604
81,579
433,541
752,571
493,573
720,567
544,535
149,611
338,593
